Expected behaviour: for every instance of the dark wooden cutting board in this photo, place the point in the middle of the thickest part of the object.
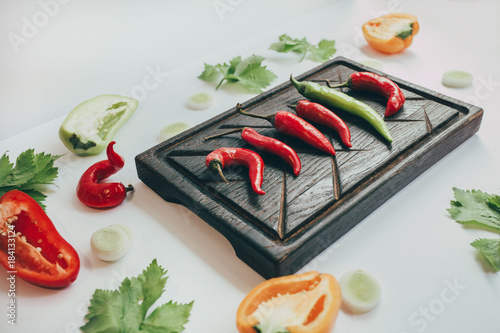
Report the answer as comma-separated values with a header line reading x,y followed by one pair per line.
x,y
278,233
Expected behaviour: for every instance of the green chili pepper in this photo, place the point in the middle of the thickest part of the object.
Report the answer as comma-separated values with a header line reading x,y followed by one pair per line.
x,y
336,99
90,127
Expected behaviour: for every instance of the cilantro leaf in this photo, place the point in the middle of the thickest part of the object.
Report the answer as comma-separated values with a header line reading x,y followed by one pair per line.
x,y
324,50
125,309
212,73
472,208
490,249
23,171
288,44
30,171
170,317
248,73
153,281
320,53
104,312
5,167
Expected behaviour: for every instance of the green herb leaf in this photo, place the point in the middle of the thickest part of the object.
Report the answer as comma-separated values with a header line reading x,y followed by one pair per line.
x,y
105,312
320,53
248,73
170,317
490,249
5,167
288,44
24,170
212,73
324,50
29,171
473,208
152,281
125,309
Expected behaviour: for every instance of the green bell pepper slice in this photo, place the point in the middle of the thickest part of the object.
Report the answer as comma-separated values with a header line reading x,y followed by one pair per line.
x,y
90,126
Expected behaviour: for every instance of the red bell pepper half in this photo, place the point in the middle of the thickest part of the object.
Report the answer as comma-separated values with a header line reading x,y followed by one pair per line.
x,y
30,246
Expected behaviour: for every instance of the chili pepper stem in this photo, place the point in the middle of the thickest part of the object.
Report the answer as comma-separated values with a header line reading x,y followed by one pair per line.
x,y
215,165
239,107
219,170
129,188
340,85
228,132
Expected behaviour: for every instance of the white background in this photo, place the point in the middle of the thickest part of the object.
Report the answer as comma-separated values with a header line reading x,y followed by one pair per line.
x,y
56,54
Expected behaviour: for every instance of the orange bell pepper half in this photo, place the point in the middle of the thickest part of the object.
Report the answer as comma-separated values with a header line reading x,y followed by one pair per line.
x,y
391,33
300,303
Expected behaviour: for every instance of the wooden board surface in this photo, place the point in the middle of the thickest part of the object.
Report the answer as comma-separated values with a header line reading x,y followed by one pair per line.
x,y
299,216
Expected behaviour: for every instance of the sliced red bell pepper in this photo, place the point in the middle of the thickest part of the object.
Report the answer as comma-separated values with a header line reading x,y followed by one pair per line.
x,y
30,246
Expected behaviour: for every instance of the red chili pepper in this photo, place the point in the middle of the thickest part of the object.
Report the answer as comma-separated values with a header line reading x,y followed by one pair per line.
x,y
321,115
222,157
290,124
103,195
30,246
378,84
267,144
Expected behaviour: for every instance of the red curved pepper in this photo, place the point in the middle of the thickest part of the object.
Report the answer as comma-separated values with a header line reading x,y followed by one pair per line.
x,y
321,115
103,195
267,144
30,246
290,124
222,157
378,84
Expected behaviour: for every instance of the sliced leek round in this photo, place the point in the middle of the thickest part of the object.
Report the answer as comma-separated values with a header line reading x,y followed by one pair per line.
x,y
457,79
112,242
173,129
200,101
360,291
373,63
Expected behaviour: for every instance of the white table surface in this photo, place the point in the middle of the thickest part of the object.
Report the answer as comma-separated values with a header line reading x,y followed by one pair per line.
x,y
56,54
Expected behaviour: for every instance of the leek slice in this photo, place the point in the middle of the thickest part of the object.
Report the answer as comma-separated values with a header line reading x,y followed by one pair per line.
x,y
360,291
373,63
457,79
173,129
112,242
200,101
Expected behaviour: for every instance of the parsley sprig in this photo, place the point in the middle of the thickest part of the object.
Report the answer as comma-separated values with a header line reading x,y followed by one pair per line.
x,y
125,309
478,209
320,53
248,72
30,171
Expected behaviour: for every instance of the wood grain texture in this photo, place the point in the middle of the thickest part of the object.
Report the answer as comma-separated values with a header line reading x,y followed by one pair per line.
x,y
299,216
